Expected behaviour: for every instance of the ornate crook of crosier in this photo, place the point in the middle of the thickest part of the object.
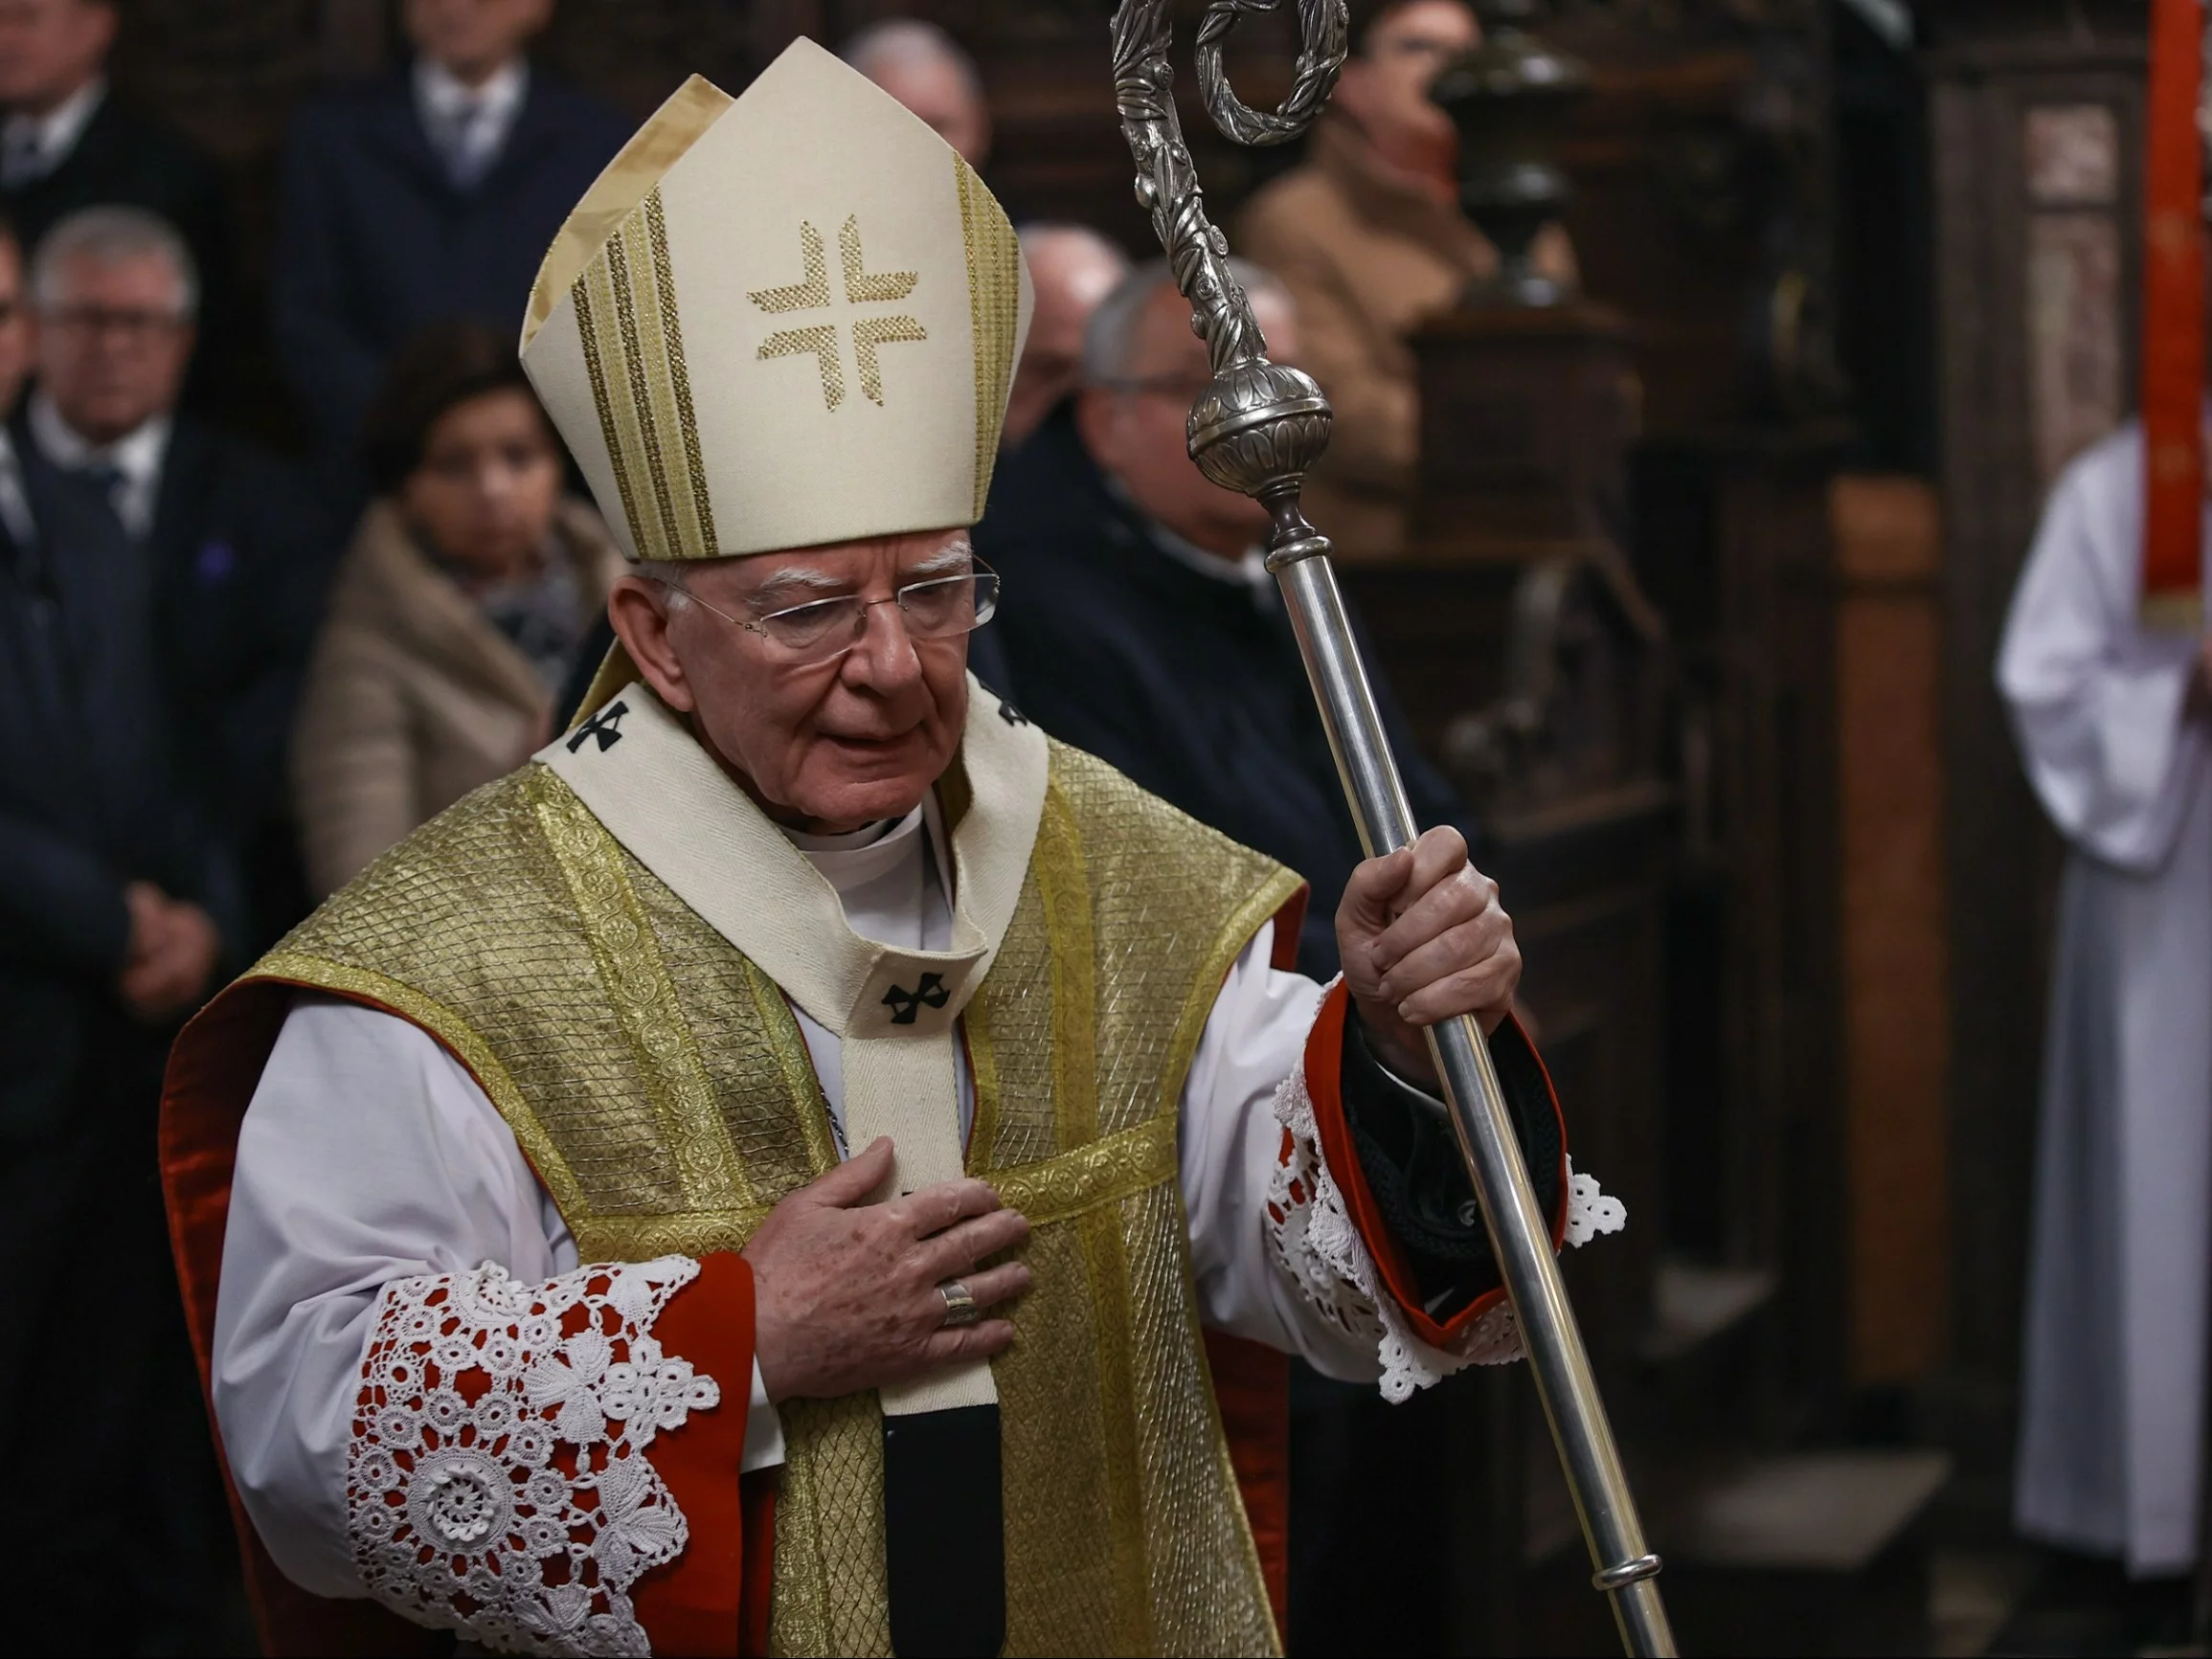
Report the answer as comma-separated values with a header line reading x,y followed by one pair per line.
x,y
1258,426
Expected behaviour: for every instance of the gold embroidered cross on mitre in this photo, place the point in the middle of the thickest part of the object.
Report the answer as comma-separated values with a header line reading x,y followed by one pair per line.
x,y
811,293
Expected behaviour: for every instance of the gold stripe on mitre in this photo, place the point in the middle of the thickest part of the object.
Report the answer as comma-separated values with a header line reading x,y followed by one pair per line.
x,y
996,309
652,150
633,341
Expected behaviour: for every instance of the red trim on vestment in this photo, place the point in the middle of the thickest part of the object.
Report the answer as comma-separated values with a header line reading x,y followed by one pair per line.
x,y
1251,1384
213,1071
693,1604
1324,1085
757,1493
2171,375
1251,1387
1288,922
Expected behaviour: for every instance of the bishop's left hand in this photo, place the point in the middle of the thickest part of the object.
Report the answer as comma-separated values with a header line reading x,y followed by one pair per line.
x,y
1425,940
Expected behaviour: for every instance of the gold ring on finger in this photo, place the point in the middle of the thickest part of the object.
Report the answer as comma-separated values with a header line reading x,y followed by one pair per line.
x,y
960,1307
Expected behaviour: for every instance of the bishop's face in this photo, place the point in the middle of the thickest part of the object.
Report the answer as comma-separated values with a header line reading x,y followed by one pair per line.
x,y
823,742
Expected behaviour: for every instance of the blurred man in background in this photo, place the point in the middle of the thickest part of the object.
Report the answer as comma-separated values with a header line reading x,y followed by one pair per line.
x,y
235,547
1369,238
119,911
1073,268
426,196
69,142
925,68
1138,620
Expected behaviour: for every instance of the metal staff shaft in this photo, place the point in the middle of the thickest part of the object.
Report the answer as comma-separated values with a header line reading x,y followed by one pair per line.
x,y
1256,429
1520,1237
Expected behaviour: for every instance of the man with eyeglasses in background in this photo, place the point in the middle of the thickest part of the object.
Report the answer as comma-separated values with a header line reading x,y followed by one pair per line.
x,y
70,141
237,549
1369,238
119,910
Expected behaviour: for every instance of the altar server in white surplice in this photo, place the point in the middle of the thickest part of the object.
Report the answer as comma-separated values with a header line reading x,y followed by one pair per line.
x,y
2111,718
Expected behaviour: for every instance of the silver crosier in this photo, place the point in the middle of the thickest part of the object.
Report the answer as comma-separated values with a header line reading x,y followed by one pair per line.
x,y
1257,429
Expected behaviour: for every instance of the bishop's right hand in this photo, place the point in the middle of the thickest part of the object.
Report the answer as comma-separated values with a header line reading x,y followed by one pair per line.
x,y
846,1292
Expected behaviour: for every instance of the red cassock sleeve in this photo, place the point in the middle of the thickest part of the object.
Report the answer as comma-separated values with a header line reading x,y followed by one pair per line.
x,y
696,1605
1251,1389
1324,1084
711,1599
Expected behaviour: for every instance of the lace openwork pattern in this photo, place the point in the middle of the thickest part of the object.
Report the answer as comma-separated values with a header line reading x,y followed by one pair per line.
x,y
497,1482
1312,1239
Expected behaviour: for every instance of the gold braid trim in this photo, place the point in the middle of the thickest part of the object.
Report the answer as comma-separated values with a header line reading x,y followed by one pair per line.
x,y
312,973
994,313
1060,1189
643,997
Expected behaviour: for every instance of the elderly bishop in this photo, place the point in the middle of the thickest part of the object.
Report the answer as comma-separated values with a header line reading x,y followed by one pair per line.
x,y
809,1163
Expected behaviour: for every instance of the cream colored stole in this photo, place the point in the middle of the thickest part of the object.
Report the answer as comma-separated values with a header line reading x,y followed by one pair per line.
x,y
894,1011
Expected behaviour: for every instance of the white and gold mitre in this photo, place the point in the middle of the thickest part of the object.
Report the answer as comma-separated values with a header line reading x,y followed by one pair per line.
x,y
779,320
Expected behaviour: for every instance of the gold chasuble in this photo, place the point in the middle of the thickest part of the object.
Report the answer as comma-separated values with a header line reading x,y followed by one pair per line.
x,y
657,1079
776,322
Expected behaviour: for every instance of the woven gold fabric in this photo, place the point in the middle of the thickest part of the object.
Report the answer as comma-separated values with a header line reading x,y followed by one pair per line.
x,y
659,1086
994,310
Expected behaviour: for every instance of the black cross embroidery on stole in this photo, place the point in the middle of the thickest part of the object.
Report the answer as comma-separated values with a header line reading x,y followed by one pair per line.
x,y
906,1005
606,726
1011,715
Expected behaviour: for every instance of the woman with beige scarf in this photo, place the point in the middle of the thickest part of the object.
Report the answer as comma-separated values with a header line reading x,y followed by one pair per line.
x,y
470,583
1368,237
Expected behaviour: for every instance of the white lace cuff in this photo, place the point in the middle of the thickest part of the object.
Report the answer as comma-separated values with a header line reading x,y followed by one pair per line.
x,y
497,1482
1312,1239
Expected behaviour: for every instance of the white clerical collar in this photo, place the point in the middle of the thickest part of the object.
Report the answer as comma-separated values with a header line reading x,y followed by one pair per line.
x,y
890,876
443,97
50,137
1246,572
861,856
136,457
15,505
850,841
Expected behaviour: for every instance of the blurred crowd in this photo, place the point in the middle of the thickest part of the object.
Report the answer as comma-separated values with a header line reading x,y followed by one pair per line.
x,y
230,678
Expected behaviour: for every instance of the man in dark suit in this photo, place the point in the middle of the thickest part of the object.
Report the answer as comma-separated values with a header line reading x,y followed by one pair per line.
x,y
424,197
68,143
235,547
118,909
1138,622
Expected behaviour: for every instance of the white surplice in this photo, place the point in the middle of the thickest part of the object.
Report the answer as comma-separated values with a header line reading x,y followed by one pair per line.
x,y
2114,1384
370,1154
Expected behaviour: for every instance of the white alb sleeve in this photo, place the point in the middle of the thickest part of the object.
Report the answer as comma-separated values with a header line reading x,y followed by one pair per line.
x,y
2098,702
1277,1256
374,1176
1231,1149
367,1155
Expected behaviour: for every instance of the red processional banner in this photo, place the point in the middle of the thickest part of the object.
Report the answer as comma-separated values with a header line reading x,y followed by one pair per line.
x,y
2173,372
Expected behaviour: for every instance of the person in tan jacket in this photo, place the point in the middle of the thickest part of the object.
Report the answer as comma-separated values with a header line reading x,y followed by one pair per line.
x,y
470,583
1368,237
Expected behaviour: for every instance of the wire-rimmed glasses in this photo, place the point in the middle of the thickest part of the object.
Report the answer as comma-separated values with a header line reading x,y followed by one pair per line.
x,y
823,630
